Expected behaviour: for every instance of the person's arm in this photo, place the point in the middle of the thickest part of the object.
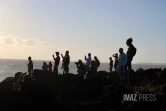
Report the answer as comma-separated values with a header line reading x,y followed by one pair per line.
x,y
53,56
62,56
85,58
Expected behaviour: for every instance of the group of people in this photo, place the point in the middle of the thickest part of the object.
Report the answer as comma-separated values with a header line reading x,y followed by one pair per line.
x,y
122,63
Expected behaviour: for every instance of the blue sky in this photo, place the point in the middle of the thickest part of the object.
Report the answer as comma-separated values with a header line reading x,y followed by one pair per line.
x,y
41,27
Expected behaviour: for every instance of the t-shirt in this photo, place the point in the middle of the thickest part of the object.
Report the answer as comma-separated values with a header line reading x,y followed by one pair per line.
x,y
88,60
122,60
66,60
50,67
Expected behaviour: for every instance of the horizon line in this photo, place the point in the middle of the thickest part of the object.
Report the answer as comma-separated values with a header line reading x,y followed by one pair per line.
x,y
76,61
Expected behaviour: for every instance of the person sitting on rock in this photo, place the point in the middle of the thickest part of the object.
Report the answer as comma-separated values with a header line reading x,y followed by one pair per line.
x,y
97,62
50,66
91,71
80,67
45,66
21,80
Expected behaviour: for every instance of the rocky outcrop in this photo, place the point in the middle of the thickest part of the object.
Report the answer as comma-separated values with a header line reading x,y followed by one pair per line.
x,y
73,93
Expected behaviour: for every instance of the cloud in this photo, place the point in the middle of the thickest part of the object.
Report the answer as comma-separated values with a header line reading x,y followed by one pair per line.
x,y
11,41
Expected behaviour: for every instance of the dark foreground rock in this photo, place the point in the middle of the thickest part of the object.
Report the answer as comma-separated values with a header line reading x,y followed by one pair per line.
x,y
73,93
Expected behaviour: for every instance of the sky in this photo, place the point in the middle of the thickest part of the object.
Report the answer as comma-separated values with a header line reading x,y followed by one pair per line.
x,y
38,28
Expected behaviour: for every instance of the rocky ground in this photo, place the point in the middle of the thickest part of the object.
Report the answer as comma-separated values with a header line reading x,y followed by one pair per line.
x,y
73,93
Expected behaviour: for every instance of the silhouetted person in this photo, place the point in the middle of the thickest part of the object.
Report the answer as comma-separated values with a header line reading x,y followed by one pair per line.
x,y
50,66
92,70
130,54
88,61
30,67
62,60
80,67
116,62
66,62
45,66
111,64
56,64
97,62
121,62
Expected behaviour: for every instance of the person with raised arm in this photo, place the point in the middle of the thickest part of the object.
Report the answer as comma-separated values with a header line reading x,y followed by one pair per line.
x,y
56,64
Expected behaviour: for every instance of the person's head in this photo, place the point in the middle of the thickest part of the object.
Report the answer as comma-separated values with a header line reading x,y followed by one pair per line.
x,y
29,58
67,52
110,58
95,58
89,54
57,53
120,50
50,62
80,61
129,41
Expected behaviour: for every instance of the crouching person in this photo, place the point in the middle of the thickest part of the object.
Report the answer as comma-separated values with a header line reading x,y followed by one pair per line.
x,y
80,67
91,71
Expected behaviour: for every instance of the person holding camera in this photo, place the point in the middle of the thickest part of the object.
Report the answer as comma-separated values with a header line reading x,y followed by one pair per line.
x,y
80,67
56,64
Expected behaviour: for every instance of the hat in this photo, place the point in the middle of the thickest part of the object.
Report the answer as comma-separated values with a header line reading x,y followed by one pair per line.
x,y
57,53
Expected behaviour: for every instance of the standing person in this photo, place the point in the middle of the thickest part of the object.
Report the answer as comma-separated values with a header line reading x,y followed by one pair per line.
x,y
66,62
50,66
116,62
88,61
121,62
30,67
56,64
97,62
62,60
131,52
111,64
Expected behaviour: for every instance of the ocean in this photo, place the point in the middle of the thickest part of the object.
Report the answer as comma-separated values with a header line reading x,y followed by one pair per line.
x,y
8,68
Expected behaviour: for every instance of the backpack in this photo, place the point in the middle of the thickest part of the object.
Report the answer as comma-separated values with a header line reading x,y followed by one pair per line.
x,y
134,51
